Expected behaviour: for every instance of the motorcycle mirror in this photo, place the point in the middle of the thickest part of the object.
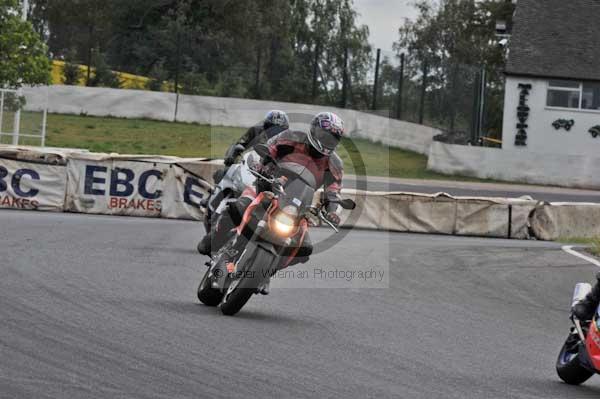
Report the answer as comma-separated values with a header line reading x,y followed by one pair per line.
x,y
262,150
348,204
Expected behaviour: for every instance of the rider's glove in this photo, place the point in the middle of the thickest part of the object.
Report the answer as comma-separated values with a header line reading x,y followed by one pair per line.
x,y
229,161
232,153
334,218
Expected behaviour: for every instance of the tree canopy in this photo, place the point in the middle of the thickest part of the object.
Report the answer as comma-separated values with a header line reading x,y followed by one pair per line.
x,y
450,41
23,55
291,50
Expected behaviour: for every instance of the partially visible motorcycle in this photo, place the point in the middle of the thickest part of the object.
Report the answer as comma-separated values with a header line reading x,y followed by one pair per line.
x,y
228,188
272,230
579,358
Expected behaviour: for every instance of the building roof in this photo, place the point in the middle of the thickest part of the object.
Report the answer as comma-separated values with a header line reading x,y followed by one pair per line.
x,y
557,39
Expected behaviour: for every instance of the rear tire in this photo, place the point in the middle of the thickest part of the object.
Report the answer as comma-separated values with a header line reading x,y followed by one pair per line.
x,y
568,366
206,294
259,265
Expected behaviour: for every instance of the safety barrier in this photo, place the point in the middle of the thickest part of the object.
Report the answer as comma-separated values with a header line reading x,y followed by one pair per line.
x,y
566,220
110,184
440,214
566,170
63,180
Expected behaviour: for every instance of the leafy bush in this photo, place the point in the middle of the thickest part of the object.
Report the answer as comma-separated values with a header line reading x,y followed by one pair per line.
x,y
157,76
104,76
71,72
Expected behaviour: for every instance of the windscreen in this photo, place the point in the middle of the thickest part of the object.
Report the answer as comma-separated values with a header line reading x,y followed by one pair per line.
x,y
297,193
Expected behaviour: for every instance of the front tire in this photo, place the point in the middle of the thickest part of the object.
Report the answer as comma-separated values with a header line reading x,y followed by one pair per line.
x,y
255,272
568,366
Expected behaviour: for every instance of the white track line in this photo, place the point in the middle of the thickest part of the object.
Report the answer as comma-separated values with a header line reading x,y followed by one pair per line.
x,y
569,249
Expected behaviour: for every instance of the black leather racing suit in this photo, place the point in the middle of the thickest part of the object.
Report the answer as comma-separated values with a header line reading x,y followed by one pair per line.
x,y
258,134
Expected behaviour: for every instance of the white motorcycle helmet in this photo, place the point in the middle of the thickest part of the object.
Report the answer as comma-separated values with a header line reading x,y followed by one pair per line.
x,y
326,131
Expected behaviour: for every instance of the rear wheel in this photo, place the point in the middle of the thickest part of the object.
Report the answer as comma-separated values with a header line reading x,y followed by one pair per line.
x,y
254,273
568,366
206,294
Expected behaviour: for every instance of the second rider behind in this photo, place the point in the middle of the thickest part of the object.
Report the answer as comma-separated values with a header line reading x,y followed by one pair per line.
x,y
274,123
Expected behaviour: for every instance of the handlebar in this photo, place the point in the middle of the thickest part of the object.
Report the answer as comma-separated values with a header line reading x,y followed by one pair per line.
x,y
320,213
275,182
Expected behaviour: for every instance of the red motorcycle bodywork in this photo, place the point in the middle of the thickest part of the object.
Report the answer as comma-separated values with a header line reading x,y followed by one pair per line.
x,y
592,345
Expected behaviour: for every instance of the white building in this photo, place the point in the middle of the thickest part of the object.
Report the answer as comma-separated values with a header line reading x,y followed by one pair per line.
x,y
552,100
551,129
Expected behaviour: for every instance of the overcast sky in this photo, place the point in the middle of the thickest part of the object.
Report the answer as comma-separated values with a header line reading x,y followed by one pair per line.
x,y
384,17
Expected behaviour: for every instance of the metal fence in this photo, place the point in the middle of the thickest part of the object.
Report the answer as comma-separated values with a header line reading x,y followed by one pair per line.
x,y
464,101
18,127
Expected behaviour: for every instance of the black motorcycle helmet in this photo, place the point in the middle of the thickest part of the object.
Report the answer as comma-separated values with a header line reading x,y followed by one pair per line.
x,y
276,118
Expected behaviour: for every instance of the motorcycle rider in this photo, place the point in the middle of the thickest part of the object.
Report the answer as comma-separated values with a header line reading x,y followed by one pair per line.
x,y
315,151
274,123
584,310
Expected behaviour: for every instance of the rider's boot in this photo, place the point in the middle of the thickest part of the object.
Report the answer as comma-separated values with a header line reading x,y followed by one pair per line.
x,y
265,289
585,309
204,245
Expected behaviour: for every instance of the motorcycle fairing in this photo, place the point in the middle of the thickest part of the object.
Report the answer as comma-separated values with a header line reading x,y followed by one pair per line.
x,y
592,344
235,180
297,238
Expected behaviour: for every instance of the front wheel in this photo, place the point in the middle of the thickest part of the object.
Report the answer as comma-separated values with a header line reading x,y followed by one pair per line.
x,y
568,366
254,273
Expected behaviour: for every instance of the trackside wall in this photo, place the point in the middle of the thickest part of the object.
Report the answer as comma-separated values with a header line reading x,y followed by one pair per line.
x,y
219,111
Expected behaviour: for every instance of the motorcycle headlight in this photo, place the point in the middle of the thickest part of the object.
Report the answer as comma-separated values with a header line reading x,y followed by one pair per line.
x,y
284,221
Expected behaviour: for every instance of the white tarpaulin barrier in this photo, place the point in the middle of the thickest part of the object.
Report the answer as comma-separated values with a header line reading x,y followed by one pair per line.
x,y
116,186
32,185
566,220
440,214
493,217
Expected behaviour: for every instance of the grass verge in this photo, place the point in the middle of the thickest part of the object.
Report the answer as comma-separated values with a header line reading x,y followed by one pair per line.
x,y
141,136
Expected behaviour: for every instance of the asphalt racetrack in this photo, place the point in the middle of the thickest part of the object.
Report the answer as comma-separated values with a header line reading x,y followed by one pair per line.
x,y
105,307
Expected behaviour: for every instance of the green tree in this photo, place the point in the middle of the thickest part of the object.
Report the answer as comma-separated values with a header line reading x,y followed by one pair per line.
x,y
85,26
451,40
252,48
103,76
71,72
157,76
23,58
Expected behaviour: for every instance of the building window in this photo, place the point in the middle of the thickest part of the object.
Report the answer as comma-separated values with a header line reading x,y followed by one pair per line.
x,y
591,96
575,95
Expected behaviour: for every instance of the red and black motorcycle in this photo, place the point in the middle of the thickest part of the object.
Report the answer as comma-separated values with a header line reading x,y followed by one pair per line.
x,y
272,230
579,358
